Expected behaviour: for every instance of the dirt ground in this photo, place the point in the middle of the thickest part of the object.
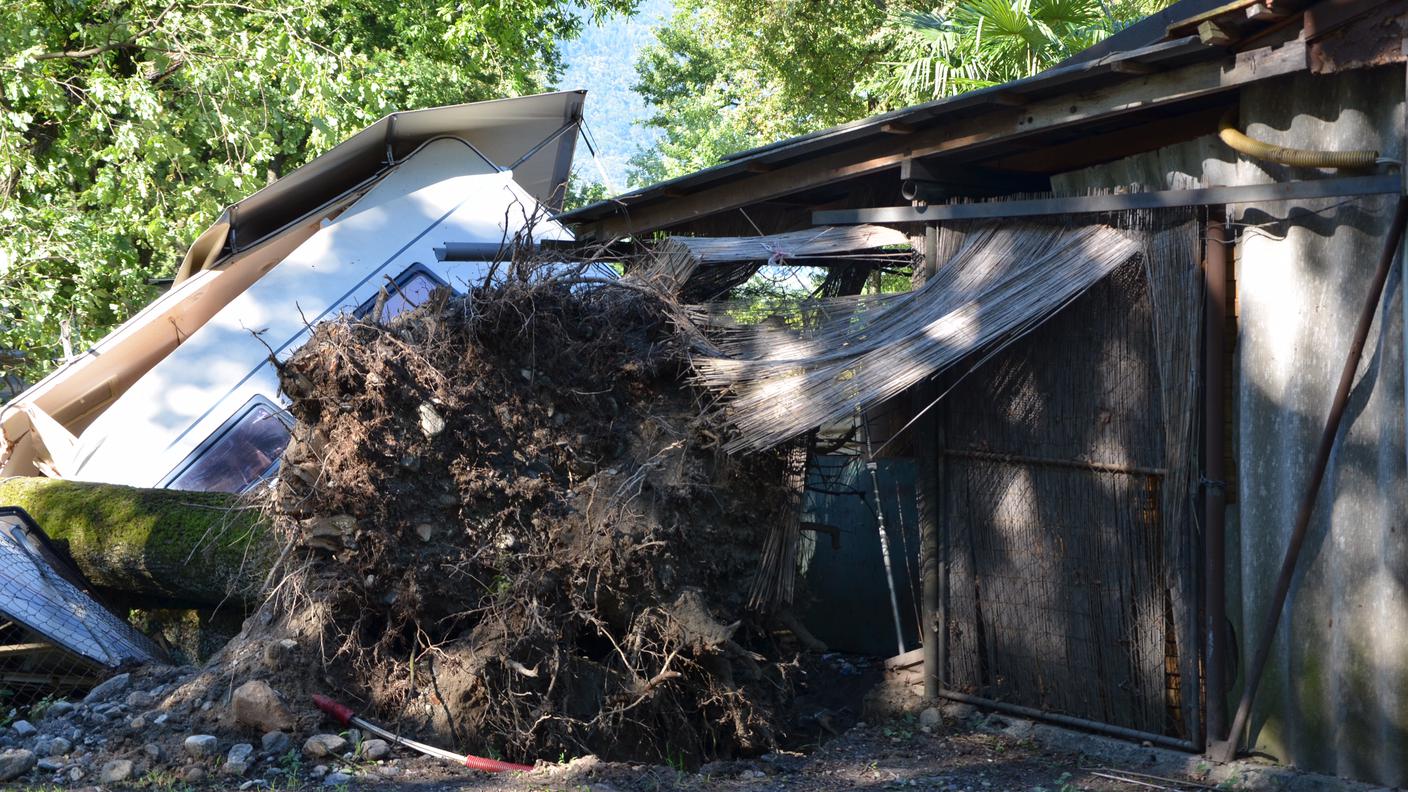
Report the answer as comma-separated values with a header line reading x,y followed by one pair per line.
x,y
970,757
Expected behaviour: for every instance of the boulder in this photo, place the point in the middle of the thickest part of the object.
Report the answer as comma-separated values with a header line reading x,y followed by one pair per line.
x,y
15,763
23,728
257,706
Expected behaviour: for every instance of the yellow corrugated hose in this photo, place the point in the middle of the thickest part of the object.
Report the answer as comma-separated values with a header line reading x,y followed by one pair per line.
x,y
1300,158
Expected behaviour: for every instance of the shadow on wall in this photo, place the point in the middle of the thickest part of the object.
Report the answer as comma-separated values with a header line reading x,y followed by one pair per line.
x,y
1334,696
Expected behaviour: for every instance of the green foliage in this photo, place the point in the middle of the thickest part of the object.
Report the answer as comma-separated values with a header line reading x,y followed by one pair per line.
x,y
971,44
726,75
127,125
582,191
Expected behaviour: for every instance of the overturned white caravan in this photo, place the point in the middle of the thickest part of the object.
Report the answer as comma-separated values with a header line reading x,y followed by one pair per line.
x,y
183,394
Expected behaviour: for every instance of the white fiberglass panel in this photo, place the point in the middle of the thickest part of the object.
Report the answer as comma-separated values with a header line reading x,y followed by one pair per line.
x,y
445,192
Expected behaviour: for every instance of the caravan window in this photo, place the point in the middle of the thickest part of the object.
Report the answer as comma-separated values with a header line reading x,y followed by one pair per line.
x,y
413,287
241,453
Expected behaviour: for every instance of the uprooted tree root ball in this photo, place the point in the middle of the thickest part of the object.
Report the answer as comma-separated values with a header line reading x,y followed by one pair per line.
x,y
507,532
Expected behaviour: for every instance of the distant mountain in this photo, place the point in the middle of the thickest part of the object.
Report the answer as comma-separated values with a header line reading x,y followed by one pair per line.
x,y
602,61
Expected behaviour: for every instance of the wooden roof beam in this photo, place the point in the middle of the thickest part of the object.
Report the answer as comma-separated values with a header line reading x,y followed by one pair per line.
x,y
964,134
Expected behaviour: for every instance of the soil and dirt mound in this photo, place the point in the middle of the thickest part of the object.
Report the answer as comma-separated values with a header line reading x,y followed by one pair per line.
x,y
506,531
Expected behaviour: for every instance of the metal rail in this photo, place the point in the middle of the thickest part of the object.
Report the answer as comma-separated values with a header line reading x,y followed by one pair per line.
x,y
1078,464
1070,720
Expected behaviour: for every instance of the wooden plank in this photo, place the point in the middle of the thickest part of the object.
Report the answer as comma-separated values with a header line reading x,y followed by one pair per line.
x,y
14,650
1263,12
1117,202
56,680
1185,26
1000,125
909,659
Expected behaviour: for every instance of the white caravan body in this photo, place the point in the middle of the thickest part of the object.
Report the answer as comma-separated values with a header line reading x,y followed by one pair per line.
x,y
206,413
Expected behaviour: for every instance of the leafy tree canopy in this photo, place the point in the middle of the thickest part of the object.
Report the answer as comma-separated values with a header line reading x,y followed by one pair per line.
x,y
726,75
127,125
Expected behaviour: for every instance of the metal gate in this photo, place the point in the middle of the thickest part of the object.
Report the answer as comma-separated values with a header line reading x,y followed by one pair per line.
x,y
1060,591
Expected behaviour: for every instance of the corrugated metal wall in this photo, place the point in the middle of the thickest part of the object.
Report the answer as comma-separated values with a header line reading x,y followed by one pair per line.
x,y
1335,694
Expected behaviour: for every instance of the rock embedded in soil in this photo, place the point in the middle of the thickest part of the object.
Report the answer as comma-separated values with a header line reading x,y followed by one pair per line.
x,y
255,704
278,654
116,771
15,762
430,421
959,711
110,688
50,764
200,746
275,742
321,745
153,751
337,779
376,750
238,760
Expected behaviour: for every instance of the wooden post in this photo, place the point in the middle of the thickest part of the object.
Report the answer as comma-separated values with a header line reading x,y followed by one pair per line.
x,y
928,456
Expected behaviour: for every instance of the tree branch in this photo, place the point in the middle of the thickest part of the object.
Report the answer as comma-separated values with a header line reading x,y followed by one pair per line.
x,y
112,45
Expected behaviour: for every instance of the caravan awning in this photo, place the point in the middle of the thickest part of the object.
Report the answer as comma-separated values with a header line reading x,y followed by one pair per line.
x,y
534,135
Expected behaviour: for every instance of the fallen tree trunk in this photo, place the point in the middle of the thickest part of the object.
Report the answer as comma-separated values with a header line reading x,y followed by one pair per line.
x,y
156,547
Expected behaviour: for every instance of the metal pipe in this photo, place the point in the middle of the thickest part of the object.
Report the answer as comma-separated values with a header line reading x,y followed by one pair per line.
x,y
1070,720
1214,491
475,251
925,190
884,539
1226,750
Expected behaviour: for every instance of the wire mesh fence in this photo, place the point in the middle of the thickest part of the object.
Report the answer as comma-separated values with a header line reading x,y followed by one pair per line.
x,y
56,637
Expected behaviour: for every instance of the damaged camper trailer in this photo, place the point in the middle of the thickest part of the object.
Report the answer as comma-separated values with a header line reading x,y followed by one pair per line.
x,y
185,394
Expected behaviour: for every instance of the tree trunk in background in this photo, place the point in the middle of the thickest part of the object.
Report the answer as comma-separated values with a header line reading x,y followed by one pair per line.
x,y
155,547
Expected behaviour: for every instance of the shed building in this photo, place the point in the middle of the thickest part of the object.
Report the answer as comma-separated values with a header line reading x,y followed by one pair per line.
x,y
1107,492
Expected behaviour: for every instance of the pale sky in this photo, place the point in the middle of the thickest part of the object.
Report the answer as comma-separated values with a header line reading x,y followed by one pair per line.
x,y
603,62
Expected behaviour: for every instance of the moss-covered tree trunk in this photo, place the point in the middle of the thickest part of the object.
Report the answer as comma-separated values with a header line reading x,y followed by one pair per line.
x,y
156,547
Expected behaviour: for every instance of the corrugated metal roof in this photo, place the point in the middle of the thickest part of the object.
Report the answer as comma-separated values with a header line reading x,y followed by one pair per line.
x,y
1139,52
